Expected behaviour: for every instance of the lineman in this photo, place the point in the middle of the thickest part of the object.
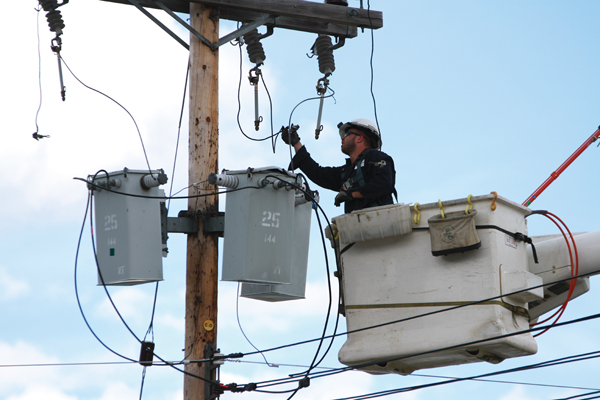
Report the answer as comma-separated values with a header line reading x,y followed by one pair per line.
x,y
368,177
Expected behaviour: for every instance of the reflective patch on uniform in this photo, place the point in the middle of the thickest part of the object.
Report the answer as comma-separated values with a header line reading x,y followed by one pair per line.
x,y
379,164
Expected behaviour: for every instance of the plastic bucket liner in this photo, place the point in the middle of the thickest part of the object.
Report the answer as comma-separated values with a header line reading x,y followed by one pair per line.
x,y
454,234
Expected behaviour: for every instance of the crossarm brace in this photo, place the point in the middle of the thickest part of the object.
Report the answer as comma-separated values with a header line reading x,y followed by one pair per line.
x,y
214,46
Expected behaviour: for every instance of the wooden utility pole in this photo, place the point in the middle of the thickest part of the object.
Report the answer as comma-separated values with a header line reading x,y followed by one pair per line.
x,y
202,266
202,255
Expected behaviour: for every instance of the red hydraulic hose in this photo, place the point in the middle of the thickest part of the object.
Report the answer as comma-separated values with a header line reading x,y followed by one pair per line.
x,y
560,170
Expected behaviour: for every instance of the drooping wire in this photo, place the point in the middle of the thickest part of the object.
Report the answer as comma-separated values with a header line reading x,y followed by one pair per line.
x,y
581,396
117,103
544,364
143,379
336,371
237,315
273,136
240,105
292,113
39,70
87,209
371,64
344,369
187,74
151,326
396,321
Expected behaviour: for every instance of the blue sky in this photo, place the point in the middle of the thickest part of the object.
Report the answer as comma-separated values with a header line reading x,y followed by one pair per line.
x,y
471,97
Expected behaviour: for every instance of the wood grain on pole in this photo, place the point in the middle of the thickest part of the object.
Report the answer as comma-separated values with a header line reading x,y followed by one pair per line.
x,y
202,265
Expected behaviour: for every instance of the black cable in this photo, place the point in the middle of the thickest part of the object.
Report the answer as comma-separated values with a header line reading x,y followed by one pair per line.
x,y
340,370
308,99
240,106
371,64
117,103
187,74
39,69
544,364
273,136
292,113
143,379
313,363
582,395
489,338
151,326
113,304
237,315
337,320
93,185
77,291
434,312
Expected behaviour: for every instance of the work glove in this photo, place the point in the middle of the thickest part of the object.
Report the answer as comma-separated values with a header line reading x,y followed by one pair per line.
x,y
289,134
342,197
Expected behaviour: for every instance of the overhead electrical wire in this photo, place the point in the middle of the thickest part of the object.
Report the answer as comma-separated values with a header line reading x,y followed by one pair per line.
x,y
37,113
371,65
76,286
187,74
237,315
544,364
170,364
117,103
292,113
272,135
521,332
288,380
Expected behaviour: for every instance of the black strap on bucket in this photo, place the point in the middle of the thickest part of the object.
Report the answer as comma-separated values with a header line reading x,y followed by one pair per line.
x,y
515,235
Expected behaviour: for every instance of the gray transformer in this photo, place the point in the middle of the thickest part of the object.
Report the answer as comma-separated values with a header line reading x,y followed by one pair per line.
x,y
128,226
259,237
296,289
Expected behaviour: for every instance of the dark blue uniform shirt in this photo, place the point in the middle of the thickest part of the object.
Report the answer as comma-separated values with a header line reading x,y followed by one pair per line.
x,y
376,185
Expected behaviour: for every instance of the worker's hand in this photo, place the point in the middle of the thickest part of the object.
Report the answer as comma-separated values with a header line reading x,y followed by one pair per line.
x,y
289,134
342,197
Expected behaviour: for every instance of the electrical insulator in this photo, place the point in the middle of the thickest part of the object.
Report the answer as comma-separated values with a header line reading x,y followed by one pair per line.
x,y
256,53
55,21
228,181
323,49
56,24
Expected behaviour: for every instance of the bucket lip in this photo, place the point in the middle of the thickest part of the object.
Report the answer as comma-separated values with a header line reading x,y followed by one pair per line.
x,y
474,199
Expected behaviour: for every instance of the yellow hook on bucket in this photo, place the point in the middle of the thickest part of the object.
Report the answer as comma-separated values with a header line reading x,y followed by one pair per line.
x,y
417,217
441,209
470,205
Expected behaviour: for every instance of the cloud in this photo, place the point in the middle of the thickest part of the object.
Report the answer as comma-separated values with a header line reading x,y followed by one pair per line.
x,y
11,288
37,392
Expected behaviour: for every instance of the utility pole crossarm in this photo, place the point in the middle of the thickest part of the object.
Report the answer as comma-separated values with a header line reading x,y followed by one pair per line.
x,y
326,13
297,15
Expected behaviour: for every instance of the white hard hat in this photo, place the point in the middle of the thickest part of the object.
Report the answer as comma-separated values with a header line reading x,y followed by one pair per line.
x,y
365,125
